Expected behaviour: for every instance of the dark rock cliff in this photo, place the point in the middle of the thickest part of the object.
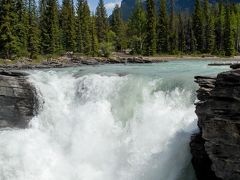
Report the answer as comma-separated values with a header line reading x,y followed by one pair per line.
x,y
216,149
17,100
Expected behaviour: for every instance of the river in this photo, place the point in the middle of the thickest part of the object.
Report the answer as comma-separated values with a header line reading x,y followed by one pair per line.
x,y
108,122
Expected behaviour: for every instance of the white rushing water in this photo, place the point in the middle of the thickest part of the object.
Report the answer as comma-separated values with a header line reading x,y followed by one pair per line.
x,y
113,125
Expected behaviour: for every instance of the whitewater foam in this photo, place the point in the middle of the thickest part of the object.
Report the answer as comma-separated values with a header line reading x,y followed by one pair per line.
x,y
102,127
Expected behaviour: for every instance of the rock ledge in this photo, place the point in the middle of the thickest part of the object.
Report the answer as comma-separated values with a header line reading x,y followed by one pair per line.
x,y
216,149
17,100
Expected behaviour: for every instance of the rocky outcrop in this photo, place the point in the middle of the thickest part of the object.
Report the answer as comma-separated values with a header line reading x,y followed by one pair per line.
x,y
17,100
216,149
75,61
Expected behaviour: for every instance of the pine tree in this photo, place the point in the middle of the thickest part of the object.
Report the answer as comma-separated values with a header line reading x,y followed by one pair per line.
x,y
234,23
181,35
21,25
44,26
190,38
79,33
209,29
237,39
94,41
9,42
68,26
228,33
86,21
33,39
137,28
50,33
54,32
219,28
198,25
172,29
117,26
101,21
83,28
162,46
151,42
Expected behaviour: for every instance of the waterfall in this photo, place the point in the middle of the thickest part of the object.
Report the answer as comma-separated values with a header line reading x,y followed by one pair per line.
x,y
102,127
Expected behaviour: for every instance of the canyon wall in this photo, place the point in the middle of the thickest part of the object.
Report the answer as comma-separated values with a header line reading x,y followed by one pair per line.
x,y
216,148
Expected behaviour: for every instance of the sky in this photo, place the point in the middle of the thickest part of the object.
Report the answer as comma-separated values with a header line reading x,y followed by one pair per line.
x,y
109,4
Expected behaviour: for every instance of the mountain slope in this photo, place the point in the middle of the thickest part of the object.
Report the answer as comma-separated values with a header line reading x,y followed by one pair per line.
x,y
127,6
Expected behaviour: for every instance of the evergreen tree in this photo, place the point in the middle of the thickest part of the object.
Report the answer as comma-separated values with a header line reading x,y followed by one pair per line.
x,y
117,26
172,29
54,32
9,42
137,28
50,33
94,41
237,39
190,38
162,45
83,27
181,35
234,23
198,25
33,39
101,21
21,25
44,21
79,33
68,26
209,29
219,28
151,42
228,33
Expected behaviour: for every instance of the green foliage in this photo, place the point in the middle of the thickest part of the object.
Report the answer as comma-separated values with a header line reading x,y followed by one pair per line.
x,y
22,25
137,29
181,35
83,28
33,38
228,33
94,51
163,31
198,25
208,29
106,49
151,37
9,42
219,29
101,21
68,26
118,27
26,30
172,30
49,29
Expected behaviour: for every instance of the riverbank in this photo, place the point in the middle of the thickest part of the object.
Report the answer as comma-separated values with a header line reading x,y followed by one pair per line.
x,y
71,60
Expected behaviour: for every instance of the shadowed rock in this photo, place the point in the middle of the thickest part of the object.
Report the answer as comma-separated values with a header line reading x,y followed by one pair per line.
x,y
217,146
17,100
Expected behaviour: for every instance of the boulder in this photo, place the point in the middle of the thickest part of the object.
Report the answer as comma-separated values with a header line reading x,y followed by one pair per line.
x,y
18,102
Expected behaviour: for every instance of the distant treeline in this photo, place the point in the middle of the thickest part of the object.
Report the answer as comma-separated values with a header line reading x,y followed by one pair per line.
x,y
27,29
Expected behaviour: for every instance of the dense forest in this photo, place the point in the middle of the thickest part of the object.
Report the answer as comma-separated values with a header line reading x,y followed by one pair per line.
x,y
48,28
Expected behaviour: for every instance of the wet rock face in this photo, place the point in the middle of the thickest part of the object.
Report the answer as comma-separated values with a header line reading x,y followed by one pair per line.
x,y
17,100
218,113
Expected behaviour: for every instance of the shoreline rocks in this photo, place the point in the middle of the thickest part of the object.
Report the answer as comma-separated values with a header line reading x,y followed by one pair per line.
x,y
74,61
18,102
216,149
